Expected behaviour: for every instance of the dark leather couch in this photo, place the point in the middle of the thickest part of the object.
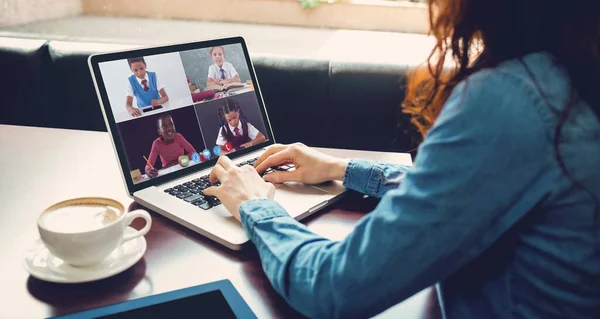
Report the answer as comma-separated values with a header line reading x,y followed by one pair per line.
x,y
318,102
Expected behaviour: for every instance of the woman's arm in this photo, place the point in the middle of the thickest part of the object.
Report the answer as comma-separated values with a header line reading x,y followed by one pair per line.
x,y
472,181
373,178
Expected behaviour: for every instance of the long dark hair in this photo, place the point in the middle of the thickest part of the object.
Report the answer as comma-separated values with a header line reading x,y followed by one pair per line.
x,y
482,34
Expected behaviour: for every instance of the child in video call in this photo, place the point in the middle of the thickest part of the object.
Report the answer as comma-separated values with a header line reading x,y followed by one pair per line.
x,y
145,86
221,72
235,129
169,145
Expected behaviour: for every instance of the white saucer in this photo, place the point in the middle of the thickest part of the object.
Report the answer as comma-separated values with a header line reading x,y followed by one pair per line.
x,y
41,264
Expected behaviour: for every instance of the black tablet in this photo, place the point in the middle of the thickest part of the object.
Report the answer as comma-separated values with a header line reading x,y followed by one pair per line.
x,y
213,300
148,109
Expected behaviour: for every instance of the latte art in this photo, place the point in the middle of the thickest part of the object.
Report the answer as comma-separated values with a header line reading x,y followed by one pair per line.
x,y
79,218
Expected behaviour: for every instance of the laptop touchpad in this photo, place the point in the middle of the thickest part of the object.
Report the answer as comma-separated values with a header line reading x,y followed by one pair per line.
x,y
298,198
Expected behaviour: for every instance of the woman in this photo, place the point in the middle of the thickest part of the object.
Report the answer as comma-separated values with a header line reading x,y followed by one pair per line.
x,y
501,206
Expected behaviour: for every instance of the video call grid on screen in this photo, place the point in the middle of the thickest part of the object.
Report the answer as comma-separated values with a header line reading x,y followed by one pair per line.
x,y
194,114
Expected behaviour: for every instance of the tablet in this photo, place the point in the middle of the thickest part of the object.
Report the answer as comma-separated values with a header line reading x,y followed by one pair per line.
x,y
148,109
213,300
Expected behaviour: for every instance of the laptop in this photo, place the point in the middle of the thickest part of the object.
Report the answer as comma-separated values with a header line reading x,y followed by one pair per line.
x,y
166,154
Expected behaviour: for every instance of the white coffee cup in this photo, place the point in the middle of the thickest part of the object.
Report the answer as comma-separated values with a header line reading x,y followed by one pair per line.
x,y
84,231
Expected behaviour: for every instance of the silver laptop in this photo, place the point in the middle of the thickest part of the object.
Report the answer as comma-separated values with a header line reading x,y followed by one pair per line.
x,y
172,111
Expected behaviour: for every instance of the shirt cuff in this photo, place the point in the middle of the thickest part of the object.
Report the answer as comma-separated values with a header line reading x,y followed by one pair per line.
x,y
256,210
359,176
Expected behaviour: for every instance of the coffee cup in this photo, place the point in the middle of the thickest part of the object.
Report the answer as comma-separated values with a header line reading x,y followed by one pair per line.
x,y
84,231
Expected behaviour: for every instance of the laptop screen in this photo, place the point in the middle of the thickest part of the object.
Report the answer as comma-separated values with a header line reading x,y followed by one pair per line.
x,y
175,110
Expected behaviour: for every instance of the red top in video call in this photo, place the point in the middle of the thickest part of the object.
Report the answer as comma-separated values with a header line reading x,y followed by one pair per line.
x,y
169,152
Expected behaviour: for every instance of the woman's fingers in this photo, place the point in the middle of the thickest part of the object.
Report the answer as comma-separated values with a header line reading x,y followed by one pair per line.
x,y
274,160
212,191
217,173
270,151
225,162
223,165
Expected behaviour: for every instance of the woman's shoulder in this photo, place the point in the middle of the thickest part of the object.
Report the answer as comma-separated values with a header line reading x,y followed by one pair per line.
x,y
529,71
534,78
513,91
542,74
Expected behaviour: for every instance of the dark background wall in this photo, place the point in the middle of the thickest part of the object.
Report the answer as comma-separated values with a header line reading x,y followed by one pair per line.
x,y
137,135
208,116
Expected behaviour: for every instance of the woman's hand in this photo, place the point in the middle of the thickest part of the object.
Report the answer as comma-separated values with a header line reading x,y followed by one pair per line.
x,y
134,111
155,103
238,185
312,167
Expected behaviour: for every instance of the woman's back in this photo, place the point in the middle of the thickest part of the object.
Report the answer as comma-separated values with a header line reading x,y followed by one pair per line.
x,y
547,264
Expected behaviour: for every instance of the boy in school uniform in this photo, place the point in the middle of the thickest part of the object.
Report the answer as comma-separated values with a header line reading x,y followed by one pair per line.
x,y
221,72
145,86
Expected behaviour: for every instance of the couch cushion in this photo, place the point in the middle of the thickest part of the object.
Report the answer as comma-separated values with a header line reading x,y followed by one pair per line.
x,y
364,110
69,78
318,102
21,85
295,94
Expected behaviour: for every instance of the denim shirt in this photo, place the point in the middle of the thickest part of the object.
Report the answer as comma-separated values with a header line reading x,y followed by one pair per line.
x,y
485,212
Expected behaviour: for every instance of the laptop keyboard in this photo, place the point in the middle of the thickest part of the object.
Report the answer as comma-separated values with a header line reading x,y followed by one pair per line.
x,y
191,191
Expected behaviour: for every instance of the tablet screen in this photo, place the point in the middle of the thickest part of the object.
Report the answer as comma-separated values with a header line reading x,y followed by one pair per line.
x,y
207,305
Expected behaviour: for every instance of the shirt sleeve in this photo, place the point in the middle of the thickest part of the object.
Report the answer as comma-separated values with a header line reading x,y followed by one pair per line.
x,y
185,144
211,72
220,140
232,71
152,157
373,178
472,180
252,131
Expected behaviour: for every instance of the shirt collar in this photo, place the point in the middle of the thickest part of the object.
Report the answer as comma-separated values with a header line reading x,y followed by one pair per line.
x,y
145,78
239,126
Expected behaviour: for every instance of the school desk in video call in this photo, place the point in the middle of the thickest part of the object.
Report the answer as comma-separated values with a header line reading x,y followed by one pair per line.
x,y
137,177
123,115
